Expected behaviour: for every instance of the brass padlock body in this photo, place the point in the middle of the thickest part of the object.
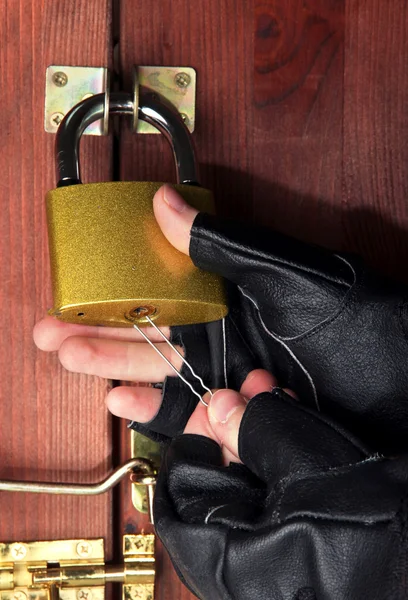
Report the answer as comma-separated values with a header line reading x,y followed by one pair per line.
x,y
111,265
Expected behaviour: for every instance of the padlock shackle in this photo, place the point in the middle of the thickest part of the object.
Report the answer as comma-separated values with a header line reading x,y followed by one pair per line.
x,y
151,110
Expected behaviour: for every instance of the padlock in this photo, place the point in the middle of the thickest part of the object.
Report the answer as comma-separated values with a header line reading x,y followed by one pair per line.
x,y
110,263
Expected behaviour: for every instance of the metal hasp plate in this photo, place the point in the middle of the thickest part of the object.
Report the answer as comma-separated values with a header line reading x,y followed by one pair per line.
x,y
65,86
75,570
176,84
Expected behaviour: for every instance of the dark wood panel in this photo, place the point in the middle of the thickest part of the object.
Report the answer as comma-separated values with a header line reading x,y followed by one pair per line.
x,y
375,132
297,118
53,424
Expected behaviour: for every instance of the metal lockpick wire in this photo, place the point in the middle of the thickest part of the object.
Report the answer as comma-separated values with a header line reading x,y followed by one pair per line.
x,y
178,373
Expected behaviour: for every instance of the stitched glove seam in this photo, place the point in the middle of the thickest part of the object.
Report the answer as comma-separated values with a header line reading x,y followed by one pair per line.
x,y
213,498
332,472
292,355
339,470
333,519
251,352
345,302
199,236
311,414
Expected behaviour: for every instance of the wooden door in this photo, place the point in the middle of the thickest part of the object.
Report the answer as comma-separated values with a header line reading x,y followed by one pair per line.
x,y
301,126
51,424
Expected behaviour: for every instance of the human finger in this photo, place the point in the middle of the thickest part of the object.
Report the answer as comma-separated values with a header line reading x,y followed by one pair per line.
x,y
139,404
50,333
113,359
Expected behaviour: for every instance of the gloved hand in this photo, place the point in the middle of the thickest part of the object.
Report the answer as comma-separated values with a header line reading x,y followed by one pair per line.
x,y
311,515
328,327
331,329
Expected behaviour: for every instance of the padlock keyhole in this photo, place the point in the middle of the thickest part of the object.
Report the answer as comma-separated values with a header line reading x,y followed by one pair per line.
x,y
141,312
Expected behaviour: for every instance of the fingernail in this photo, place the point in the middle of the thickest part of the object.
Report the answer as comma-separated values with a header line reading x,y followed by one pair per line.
x,y
173,199
224,403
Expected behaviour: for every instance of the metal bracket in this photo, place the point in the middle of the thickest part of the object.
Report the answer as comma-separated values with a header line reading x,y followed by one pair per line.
x,y
75,570
176,84
67,85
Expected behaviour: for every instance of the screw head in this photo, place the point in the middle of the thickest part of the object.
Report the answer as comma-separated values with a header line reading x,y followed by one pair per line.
x,y
56,118
84,594
84,549
60,79
182,79
184,118
19,595
137,592
18,551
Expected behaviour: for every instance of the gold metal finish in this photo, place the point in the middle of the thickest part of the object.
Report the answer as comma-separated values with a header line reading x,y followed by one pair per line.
x,y
142,495
136,97
66,86
55,570
60,79
109,258
139,468
182,79
176,84
56,119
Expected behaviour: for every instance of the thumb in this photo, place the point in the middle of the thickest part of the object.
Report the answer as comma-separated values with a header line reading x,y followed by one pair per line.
x,y
174,216
225,411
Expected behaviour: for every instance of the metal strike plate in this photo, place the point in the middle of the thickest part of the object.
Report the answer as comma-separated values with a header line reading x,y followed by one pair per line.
x,y
66,86
176,84
138,554
141,446
75,570
19,561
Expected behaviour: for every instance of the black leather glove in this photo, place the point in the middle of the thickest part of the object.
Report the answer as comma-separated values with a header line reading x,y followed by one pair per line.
x,y
328,327
312,516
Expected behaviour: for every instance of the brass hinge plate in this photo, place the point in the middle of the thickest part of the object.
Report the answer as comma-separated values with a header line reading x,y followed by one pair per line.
x,y
75,569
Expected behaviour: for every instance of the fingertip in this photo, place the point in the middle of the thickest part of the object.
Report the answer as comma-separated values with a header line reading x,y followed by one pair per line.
x,y
37,335
139,404
225,412
258,381
114,403
46,334
174,216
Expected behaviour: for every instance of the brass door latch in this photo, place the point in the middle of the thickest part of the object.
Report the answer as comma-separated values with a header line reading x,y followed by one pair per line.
x,y
75,570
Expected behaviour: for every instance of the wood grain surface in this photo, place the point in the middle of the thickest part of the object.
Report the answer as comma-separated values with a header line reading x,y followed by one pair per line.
x,y
375,156
301,121
53,424
301,127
